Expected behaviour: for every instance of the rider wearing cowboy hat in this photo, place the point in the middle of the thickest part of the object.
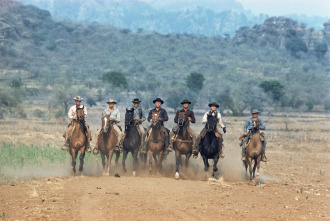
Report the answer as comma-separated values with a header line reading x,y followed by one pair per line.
x,y
72,114
114,115
162,117
248,127
190,116
138,118
213,106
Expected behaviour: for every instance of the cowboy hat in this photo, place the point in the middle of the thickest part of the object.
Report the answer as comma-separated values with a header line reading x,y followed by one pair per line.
x,y
158,99
136,100
255,111
214,104
78,98
111,101
186,101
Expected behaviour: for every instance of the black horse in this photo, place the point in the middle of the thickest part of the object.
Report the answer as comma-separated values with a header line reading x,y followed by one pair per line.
x,y
209,145
132,140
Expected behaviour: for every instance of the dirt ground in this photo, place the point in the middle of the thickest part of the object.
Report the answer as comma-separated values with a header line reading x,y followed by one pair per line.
x,y
295,182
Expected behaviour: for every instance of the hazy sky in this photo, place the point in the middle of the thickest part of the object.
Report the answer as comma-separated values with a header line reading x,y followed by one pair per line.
x,y
280,7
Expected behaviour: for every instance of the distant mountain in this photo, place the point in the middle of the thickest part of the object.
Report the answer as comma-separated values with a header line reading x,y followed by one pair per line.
x,y
209,18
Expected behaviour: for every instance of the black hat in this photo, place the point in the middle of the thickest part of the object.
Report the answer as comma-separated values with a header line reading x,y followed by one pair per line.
x,y
255,111
213,104
158,99
136,100
185,101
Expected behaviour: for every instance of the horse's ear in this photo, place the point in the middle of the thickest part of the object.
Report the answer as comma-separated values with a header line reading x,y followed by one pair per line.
x,y
126,109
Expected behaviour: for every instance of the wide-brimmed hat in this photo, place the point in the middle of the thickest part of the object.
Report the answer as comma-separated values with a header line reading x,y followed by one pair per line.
x,y
213,104
78,98
255,111
136,100
186,101
111,101
158,99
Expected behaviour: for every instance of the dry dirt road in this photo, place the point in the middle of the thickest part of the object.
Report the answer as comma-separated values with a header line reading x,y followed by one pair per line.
x,y
290,189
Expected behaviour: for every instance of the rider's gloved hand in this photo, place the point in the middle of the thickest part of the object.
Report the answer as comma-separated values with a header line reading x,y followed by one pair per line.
x,y
224,129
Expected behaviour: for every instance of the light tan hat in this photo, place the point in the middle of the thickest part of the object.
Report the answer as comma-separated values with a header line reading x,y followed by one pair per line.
x,y
111,101
78,98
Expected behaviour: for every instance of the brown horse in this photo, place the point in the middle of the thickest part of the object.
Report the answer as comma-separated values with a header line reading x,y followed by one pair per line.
x,y
106,144
254,151
78,141
183,143
156,143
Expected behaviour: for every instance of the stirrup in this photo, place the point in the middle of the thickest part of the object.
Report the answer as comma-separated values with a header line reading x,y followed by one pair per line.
x,y
243,158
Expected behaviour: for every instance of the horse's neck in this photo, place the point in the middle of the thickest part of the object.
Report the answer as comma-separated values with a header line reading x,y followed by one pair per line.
x,y
183,133
156,132
131,130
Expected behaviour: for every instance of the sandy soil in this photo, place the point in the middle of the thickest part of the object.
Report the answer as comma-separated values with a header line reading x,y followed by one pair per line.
x,y
295,183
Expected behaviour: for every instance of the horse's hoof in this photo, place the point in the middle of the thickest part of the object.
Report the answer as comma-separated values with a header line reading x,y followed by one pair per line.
x,y
95,151
215,170
134,173
177,176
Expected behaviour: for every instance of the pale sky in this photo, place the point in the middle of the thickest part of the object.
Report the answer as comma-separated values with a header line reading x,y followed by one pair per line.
x,y
282,7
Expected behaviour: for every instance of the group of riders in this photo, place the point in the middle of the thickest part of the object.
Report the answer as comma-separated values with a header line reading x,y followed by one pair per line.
x,y
170,137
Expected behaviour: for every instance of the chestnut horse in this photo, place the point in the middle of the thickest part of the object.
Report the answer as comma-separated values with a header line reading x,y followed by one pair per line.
x,y
78,140
156,142
183,143
254,151
106,144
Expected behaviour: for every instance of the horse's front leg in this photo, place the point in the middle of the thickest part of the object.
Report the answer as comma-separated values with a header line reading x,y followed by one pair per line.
x,y
81,158
254,168
206,163
250,168
103,162
159,163
135,160
187,159
117,157
215,162
109,162
73,163
258,167
150,161
124,158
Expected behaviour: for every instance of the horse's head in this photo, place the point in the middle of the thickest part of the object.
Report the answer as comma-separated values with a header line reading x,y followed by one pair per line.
x,y
155,119
129,117
255,125
106,124
80,113
211,124
182,119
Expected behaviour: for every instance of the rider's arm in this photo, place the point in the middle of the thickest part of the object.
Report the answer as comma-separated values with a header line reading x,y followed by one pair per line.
x,y
262,125
204,120
246,125
150,115
220,121
117,116
71,113
85,111
143,118
192,116
165,117
176,117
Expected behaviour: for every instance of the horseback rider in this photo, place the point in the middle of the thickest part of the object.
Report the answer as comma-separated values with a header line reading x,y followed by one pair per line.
x,y
72,115
162,117
247,133
138,118
114,115
190,116
213,106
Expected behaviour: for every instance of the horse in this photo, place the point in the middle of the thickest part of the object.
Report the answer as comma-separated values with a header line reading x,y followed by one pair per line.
x,y
156,143
106,144
254,151
132,140
78,141
209,144
183,143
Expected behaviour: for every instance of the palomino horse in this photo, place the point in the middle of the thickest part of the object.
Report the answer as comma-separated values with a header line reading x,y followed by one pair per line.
x,y
183,143
106,143
132,140
209,145
156,143
78,140
254,151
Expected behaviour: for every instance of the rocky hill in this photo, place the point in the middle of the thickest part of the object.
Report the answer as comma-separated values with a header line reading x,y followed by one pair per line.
x,y
44,62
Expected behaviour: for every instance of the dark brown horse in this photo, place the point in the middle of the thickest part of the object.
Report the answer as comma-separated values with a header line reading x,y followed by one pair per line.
x,y
156,143
254,151
78,141
106,144
183,143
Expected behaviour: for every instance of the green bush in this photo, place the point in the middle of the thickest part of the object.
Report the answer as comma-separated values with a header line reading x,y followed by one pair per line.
x,y
296,45
195,81
115,79
91,102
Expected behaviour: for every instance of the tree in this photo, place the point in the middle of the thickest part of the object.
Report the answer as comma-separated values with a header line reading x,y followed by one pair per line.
x,y
273,88
195,81
226,102
115,79
91,102
296,45
320,50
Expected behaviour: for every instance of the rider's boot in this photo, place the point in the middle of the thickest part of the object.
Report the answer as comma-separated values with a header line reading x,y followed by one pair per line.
x,y
264,158
66,145
243,154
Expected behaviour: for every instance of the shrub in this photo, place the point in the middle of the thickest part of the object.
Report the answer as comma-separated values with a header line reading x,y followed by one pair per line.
x,y
195,81
91,102
115,79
